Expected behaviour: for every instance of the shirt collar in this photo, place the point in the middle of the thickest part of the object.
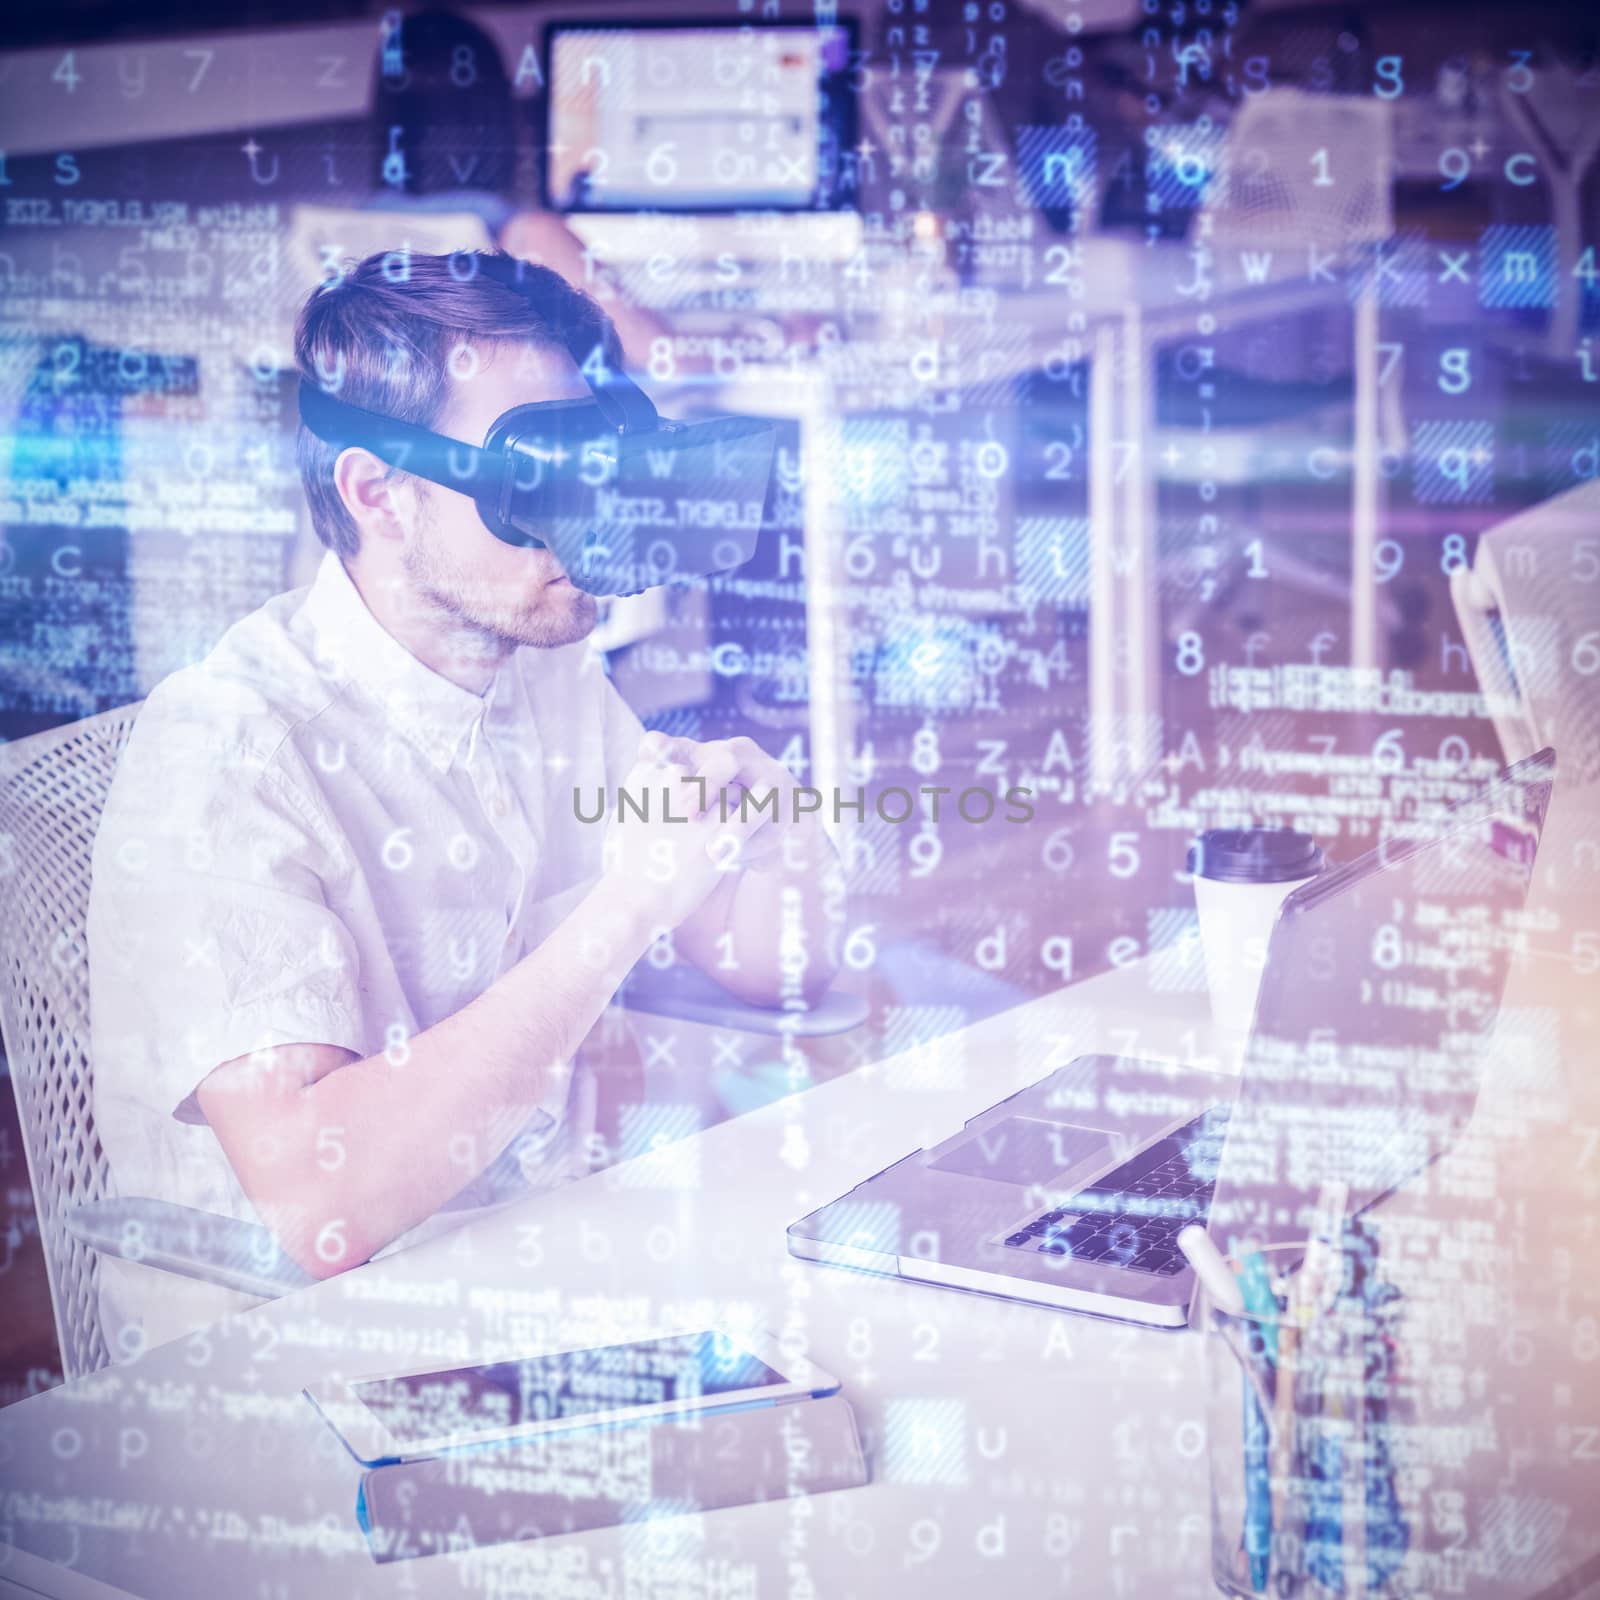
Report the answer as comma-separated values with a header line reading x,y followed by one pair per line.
x,y
352,645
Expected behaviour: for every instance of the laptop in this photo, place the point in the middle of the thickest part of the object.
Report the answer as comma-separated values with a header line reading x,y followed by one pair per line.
x,y
1382,983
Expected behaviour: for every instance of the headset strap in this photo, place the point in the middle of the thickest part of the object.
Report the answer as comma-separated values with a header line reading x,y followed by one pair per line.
x,y
447,462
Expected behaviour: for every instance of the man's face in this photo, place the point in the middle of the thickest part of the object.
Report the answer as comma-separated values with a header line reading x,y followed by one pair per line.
x,y
508,594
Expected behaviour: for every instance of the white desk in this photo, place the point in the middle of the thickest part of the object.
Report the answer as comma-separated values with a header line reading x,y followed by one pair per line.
x,y
1074,1458
1075,1462
707,1216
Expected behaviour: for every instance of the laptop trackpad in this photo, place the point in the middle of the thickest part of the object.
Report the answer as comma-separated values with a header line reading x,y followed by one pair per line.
x,y
1024,1150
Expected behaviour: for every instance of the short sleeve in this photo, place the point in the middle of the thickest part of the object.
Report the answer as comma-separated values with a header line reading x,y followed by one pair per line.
x,y
210,930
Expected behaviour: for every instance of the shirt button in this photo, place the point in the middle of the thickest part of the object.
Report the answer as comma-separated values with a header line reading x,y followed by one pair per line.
x,y
500,806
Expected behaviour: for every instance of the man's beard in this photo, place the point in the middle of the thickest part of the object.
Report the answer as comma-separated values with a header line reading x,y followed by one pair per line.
x,y
481,614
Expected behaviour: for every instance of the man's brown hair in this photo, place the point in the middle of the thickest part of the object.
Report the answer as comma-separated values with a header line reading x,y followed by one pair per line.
x,y
381,336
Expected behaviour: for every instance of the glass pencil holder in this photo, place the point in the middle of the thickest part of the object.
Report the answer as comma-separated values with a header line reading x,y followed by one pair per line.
x,y
1300,1421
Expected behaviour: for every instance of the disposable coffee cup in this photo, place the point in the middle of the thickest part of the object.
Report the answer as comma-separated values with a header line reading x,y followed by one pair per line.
x,y
1241,877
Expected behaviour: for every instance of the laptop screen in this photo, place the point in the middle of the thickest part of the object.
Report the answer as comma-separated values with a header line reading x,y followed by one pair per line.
x,y
1382,985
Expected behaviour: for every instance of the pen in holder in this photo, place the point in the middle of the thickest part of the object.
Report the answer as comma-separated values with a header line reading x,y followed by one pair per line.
x,y
1301,1397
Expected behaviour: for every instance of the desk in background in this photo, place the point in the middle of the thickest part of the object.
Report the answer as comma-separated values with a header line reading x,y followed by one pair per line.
x,y
1136,299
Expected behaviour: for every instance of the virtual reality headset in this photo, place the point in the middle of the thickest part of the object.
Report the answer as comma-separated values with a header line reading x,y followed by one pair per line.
x,y
625,498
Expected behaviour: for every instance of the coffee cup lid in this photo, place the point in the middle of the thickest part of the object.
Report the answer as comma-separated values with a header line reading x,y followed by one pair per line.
x,y
1255,855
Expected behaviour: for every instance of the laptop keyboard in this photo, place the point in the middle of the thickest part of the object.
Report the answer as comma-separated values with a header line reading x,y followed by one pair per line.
x,y
1133,1215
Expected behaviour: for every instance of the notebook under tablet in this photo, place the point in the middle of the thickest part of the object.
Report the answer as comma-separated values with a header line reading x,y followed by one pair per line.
x,y
1382,983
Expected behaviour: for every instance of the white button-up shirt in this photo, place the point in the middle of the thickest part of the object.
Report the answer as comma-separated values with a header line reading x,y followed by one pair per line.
x,y
312,838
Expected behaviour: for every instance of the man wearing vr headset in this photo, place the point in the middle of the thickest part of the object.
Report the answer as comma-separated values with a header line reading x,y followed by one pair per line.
x,y
347,929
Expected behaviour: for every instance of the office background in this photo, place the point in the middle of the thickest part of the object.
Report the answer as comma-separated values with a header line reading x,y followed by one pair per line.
x,y
1145,372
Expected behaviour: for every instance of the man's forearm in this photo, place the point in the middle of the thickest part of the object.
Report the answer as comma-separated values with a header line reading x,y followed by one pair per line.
x,y
370,1150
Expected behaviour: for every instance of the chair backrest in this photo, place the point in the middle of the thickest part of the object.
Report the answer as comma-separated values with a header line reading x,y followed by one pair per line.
x,y
52,789
1306,169
1529,608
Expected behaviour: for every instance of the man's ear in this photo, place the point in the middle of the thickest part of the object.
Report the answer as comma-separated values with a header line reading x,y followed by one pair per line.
x,y
378,503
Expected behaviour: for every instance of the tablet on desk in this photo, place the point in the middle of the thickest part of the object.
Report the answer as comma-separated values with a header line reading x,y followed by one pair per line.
x,y
409,1416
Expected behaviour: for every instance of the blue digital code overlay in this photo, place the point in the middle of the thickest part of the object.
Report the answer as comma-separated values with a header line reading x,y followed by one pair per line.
x,y
1184,419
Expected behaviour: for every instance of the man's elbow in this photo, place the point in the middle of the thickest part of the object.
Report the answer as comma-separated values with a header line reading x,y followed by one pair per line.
x,y
322,1270
324,1245
316,1215
311,1224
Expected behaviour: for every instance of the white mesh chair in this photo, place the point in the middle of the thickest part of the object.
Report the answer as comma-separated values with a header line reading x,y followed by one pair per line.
x,y
49,809
52,790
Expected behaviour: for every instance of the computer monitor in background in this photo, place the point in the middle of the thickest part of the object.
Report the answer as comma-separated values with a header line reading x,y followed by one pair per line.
x,y
698,117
